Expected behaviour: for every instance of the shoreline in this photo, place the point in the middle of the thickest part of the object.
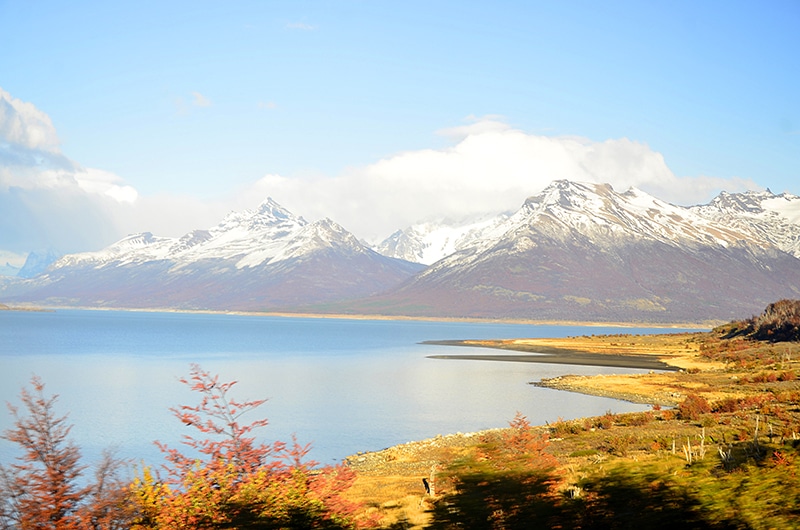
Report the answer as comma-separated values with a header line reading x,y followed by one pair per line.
x,y
552,355
666,357
26,309
362,316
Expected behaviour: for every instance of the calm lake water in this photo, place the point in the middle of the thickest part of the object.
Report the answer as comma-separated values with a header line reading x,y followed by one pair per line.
x,y
343,385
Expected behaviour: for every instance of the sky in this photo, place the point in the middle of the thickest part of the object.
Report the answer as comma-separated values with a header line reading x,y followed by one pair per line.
x,y
123,117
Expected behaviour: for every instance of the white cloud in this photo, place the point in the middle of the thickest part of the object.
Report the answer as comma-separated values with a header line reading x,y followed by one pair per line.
x,y
476,125
199,100
490,168
105,183
48,200
23,125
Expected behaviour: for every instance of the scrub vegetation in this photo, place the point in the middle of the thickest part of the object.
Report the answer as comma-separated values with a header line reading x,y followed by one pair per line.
x,y
719,449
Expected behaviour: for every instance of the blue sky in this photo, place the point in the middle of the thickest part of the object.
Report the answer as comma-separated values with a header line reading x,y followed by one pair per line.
x,y
120,117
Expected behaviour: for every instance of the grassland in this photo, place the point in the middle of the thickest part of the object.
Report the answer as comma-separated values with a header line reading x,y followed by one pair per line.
x,y
723,436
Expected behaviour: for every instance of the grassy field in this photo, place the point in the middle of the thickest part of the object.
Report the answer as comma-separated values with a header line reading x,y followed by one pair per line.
x,y
722,437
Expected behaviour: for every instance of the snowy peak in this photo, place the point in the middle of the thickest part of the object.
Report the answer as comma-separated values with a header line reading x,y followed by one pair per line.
x,y
602,215
269,216
587,252
569,195
748,202
254,259
133,248
314,237
37,262
764,216
327,233
598,215
251,238
430,242
271,209
192,239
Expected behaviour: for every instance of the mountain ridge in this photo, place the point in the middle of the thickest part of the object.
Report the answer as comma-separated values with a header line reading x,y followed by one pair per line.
x,y
573,252
251,260
581,251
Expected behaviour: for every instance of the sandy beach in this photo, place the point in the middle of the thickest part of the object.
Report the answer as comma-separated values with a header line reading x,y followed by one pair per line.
x,y
545,351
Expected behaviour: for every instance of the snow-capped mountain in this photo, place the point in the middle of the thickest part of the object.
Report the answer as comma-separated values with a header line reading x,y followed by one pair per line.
x,y
250,238
38,261
586,252
256,259
763,215
430,241
574,252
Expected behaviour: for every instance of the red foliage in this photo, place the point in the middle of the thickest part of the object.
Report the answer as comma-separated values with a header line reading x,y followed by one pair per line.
x,y
522,440
218,415
42,490
235,482
692,407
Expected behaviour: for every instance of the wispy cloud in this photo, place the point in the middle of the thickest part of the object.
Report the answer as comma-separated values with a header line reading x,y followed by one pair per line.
x,y
267,105
199,100
300,26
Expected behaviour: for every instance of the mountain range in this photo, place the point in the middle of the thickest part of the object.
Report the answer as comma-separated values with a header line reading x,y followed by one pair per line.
x,y
252,260
575,251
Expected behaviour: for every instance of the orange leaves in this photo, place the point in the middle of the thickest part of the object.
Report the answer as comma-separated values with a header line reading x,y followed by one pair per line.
x,y
227,480
43,490
522,440
230,481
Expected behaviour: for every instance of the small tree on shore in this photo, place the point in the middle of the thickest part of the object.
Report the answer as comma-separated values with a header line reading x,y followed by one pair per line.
x,y
43,489
230,481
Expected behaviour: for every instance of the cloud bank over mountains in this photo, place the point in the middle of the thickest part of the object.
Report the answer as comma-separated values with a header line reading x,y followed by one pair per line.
x,y
489,168
49,200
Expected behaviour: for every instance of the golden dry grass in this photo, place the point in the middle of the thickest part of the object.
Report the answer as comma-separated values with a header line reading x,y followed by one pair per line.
x,y
390,485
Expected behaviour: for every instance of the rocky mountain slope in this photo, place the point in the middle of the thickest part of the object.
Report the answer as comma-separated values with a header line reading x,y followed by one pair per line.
x,y
573,252
252,260
586,252
771,218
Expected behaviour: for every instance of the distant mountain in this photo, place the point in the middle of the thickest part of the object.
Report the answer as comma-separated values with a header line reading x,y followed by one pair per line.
x,y
430,241
586,252
762,215
37,262
576,251
253,260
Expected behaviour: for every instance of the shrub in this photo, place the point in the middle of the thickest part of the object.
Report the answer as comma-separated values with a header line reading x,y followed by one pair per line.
x,y
620,444
46,489
639,419
606,421
728,405
692,407
235,482
562,428
779,322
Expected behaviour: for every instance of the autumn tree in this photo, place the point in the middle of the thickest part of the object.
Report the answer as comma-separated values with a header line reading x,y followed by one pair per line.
x,y
225,479
509,483
44,489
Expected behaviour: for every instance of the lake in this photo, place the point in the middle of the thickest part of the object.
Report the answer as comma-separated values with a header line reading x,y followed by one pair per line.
x,y
344,385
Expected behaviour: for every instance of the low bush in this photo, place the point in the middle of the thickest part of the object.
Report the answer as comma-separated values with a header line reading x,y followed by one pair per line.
x,y
693,407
